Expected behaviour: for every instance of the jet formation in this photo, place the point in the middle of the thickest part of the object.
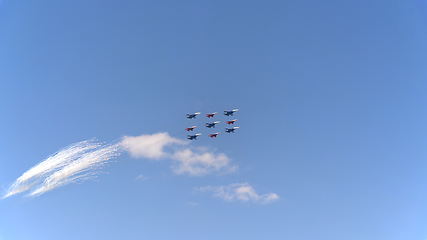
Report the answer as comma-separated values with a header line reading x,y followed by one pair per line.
x,y
212,124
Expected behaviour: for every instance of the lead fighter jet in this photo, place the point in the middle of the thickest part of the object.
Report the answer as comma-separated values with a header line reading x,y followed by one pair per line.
x,y
212,124
193,137
231,130
230,112
192,115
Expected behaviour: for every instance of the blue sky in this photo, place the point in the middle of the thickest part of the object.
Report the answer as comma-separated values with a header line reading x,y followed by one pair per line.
x,y
332,115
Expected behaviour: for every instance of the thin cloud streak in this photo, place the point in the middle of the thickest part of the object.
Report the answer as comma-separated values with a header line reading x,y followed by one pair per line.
x,y
241,192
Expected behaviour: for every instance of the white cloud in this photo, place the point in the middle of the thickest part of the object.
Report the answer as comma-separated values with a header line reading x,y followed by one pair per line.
x,y
197,162
200,163
242,192
149,146
68,165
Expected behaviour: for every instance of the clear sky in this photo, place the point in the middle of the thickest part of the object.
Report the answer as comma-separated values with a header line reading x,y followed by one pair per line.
x,y
332,99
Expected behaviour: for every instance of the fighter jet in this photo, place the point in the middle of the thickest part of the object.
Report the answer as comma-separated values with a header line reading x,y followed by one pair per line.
x,y
193,137
231,121
231,130
190,128
192,115
213,135
212,124
209,115
230,112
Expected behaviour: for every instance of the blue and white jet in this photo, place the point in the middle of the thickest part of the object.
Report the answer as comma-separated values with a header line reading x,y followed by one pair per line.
x,y
230,112
231,130
212,124
193,137
192,115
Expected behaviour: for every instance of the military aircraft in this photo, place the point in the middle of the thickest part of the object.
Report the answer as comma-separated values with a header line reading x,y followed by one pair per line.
x,y
231,130
231,121
212,124
192,115
209,115
193,137
190,128
230,112
213,135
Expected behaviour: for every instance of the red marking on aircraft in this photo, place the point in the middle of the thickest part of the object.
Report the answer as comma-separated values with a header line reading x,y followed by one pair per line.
x,y
190,128
209,115
231,121
213,135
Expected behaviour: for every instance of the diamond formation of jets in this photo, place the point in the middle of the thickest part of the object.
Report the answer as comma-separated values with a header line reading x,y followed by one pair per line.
x,y
212,124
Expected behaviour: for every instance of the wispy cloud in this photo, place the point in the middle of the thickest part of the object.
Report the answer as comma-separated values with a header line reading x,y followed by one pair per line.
x,y
242,192
141,177
201,163
71,164
149,146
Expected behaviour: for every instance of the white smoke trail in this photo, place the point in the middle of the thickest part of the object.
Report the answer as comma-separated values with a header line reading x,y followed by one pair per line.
x,y
67,165
79,169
